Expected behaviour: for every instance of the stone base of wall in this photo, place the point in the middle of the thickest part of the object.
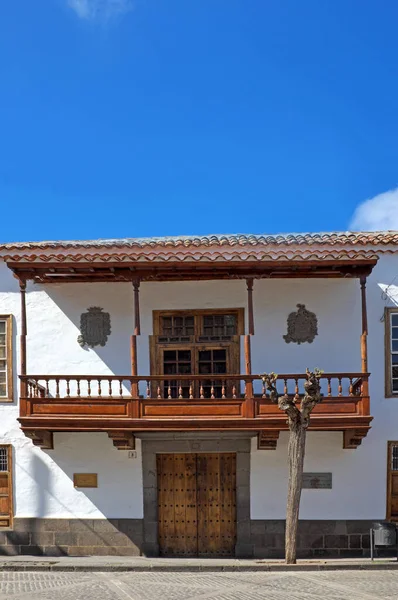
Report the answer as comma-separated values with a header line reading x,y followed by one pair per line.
x,y
329,539
73,537
125,537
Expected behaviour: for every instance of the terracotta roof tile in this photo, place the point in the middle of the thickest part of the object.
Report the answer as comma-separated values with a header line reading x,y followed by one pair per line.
x,y
374,238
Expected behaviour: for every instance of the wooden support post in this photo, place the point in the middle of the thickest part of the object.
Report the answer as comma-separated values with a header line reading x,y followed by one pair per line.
x,y
249,403
137,327
364,336
134,405
137,324
24,332
248,355
250,312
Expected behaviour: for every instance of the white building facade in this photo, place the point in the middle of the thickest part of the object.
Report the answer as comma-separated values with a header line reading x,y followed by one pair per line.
x,y
142,426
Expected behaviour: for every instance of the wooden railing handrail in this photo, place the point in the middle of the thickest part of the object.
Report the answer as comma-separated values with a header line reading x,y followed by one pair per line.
x,y
137,378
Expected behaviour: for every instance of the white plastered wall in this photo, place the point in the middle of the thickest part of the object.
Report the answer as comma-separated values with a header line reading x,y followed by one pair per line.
x,y
43,479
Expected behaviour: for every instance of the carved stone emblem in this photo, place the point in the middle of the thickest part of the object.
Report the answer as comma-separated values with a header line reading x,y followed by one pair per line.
x,y
302,326
95,326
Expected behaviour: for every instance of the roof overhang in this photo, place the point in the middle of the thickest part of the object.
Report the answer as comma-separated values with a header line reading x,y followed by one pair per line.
x,y
203,266
213,257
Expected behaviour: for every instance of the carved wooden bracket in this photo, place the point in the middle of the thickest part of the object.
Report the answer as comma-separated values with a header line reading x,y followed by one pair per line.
x,y
122,440
352,438
43,439
267,440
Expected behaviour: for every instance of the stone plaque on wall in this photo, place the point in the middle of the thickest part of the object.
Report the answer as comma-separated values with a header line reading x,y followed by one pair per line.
x,y
317,481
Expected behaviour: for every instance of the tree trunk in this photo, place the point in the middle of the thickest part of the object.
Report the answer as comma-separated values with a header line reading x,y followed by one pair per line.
x,y
299,420
296,452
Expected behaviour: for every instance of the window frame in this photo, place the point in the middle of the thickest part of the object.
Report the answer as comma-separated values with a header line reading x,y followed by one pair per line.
x,y
198,315
10,496
9,359
390,471
232,345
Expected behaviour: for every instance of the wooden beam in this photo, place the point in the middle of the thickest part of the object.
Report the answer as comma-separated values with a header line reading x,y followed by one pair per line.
x,y
44,439
122,440
352,438
77,272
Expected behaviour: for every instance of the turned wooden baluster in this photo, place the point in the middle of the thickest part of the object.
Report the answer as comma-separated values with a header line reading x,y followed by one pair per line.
x,y
212,391
110,388
234,391
148,389
180,391
285,391
89,387
351,387
340,388
121,388
78,387
57,388
329,386
47,388
201,393
223,390
296,390
99,387
159,392
67,388
190,390
169,392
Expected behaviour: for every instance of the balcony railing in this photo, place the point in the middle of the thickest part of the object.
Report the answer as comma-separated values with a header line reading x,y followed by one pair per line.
x,y
236,396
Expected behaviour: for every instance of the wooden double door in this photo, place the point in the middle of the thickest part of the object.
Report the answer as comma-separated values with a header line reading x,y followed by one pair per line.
x,y
197,504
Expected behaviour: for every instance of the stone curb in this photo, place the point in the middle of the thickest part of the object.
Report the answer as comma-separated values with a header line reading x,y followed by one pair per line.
x,y
33,566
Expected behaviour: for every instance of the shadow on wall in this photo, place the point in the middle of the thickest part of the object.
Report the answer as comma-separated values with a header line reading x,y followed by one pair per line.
x,y
117,300
69,535
15,371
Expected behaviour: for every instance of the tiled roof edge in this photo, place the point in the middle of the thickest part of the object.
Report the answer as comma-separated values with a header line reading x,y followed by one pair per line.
x,y
374,238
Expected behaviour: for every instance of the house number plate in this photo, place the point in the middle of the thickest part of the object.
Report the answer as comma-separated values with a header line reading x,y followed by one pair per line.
x,y
317,481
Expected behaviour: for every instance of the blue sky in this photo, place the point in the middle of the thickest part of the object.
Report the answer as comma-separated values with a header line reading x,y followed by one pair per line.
x,y
162,117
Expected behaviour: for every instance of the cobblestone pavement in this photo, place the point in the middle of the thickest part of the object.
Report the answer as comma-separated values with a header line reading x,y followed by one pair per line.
x,y
341,585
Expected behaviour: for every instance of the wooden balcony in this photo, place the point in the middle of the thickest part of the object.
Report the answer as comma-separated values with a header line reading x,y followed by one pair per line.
x,y
124,405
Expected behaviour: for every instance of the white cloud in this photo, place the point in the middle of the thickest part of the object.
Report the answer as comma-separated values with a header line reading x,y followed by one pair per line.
x,y
377,214
100,9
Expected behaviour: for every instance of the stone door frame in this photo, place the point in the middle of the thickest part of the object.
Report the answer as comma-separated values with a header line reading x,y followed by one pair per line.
x,y
156,443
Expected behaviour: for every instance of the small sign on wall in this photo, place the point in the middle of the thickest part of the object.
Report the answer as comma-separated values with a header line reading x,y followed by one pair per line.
x,y
317,481
85,480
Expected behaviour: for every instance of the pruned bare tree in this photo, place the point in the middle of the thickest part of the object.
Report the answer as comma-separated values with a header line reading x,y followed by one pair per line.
x,y
298,420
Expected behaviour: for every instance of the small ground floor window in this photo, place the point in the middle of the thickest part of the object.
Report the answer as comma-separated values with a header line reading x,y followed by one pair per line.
x,y
392,481
6,504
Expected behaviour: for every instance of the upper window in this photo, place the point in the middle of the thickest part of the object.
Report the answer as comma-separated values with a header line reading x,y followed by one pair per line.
x,y
6,375
177,326
199,325
391,323
219,325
